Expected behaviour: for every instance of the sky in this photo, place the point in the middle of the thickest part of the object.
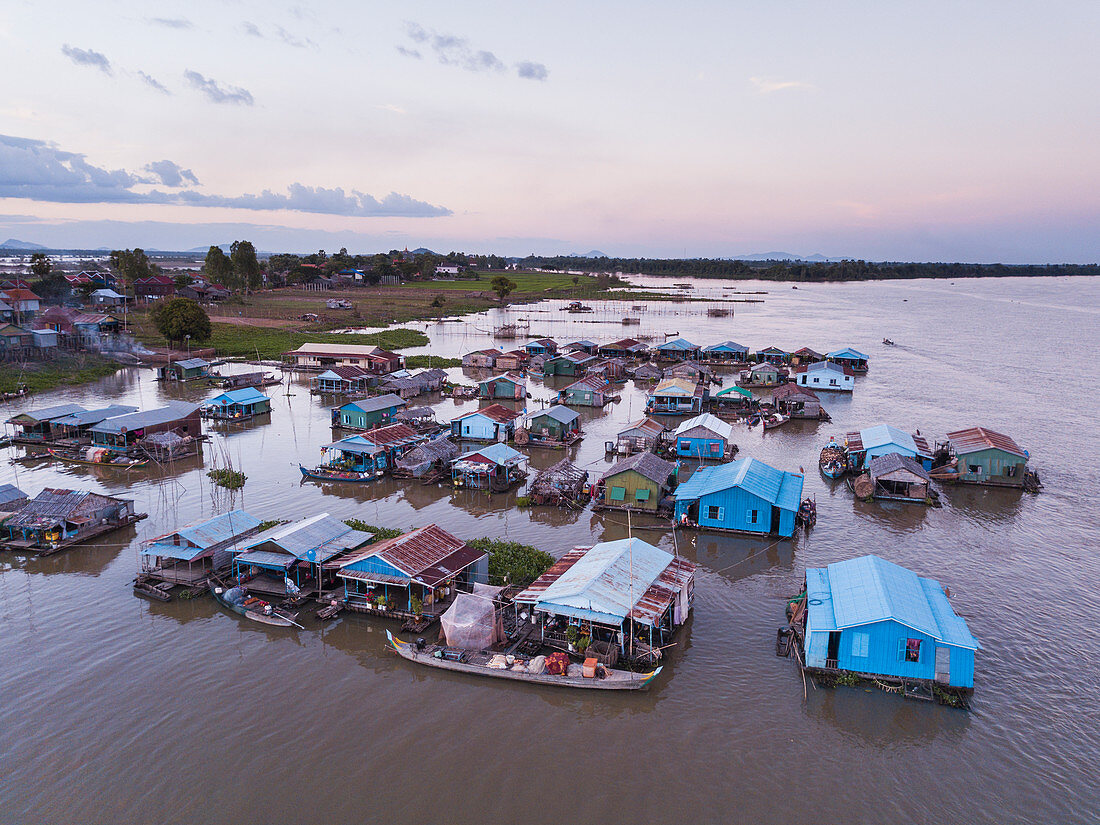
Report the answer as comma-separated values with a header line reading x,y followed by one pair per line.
x,y
935,131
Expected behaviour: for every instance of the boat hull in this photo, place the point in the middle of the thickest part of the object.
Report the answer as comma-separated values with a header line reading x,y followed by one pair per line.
x,y
353,478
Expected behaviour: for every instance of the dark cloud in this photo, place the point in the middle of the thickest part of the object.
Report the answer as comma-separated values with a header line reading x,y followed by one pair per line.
x,y
532,71
216,93
413,53
251,28
172,174
37,170
172,22
152,81
87,57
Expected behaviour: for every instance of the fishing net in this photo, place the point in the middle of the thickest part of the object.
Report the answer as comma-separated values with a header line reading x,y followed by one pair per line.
x,y
472,622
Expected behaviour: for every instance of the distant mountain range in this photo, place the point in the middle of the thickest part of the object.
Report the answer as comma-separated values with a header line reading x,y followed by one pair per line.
x,y
14,243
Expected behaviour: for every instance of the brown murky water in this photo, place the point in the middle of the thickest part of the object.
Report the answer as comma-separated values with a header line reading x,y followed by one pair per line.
x,y
117,709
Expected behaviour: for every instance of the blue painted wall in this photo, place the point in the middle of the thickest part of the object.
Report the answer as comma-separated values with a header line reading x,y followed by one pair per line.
x,y
735,507
699,447
475,427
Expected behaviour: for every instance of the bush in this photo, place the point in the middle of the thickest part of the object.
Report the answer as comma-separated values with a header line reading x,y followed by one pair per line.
x,y
229,479
512,562
380,533
178,318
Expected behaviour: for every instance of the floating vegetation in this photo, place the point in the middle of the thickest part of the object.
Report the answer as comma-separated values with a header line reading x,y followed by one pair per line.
x,y
275,522
380,533
228,478
511,562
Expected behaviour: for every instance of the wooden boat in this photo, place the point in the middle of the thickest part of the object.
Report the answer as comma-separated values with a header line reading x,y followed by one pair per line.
x,y
477,662
807,513
122,464
325,474
775,420
237,600
833,461
888,342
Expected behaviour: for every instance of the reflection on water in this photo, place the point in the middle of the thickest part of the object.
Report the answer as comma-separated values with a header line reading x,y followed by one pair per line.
x,y
102,685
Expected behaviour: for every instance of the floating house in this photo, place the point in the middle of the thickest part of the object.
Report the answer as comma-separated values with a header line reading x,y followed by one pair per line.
x,y
745,496
625,348
512,360
641,436
322,356
705,436
988,457
121,432
797,402
677,350
693,371
676,396
554,425
726,351
773,355
368,412
648,372
883,439
562,484
414,575
806,356
77,427
570,363
876,619
853,359
494,468
427,458
341,381
45,424
584,345
637,482
189,369
613,369
237,405
11,499
825,375
734,397
764,374
413,385
189,555
627,597
492,423
510,385
372,452
56,519
484,359
305,554
899,478
590,391
543,346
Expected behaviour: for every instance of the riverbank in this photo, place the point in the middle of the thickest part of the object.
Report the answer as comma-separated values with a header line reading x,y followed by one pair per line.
x,y
63,370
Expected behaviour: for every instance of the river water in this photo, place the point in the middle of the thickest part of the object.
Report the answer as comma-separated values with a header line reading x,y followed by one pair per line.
x,y
117,709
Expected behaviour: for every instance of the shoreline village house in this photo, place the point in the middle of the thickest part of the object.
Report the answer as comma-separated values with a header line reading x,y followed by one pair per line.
x,y
15,342
417,574
988,457
288,556
55,519
677,350
24,303
612,369
744,496
571,363
726,351
543,346
764,374
874,618
825,375
898,478
630,597
237,405
366,413
120,432
853,359
554,425
189,369
638,482
192,553
155,286
641,436
676,396
584,345
797,401
590,391
340,381
806,356
773,355
705,436
883,439
375,360
484,359
107,298
510,386
492,423
493,468
626,348
38,425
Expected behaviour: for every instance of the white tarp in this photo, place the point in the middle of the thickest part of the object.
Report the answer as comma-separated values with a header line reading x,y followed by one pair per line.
x,y
472,621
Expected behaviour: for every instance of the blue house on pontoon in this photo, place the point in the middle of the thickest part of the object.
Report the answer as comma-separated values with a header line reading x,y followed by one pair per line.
x,y
872,617
237,405
726,351
704,436
883,439
677,350
746,495
849,357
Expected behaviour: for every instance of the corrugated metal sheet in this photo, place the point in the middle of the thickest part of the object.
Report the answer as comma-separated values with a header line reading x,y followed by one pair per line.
x,y
189,363
677,345
53,505
314,539
85,417
645,464
416,551
559,413
884,434
9,492
494,412
662,593
248,395
979,438
676,386
216,531
46,414
777,487
647,427
497,453
171,411
726,346
589,382
892,462
847,352
267,557
785,391
391,435
447,567
708,422
380,402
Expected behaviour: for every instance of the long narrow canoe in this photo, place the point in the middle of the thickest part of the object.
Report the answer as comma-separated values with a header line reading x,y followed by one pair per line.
x,y
121,465
614,680
336,475
236,600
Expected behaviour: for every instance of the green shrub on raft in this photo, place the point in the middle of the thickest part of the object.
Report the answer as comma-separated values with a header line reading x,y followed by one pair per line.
x,y
512,562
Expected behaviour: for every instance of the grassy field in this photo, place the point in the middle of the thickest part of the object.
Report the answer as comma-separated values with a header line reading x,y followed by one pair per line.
x,y
64,370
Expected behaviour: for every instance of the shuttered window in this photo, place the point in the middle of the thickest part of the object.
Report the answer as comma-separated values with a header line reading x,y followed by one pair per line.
x,y
641,495
618,493
752,516
861,645
909,650
714,512
685,445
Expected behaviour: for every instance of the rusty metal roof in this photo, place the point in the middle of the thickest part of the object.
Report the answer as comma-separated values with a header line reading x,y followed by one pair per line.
x,y
593,382
648,426
53,506
645,464
393,434
414,552
498,413
787,390
979,438
454,563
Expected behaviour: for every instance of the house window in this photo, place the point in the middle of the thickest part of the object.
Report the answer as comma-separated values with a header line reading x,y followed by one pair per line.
x,y
975,469
752,515
641,495
685,446
832,382
817,380
618,493
714,513
467,429
861,645
909,650
715,447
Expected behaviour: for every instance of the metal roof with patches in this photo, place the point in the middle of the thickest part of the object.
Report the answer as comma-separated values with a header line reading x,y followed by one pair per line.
x,y
646,465
559,413
979,438
428,555
495,412
171,411
780,488
883,434
376,403
315,539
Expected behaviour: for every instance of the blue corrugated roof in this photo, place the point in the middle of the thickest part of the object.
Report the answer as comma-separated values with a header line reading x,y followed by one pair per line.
x,y
731,346
559,413
883,434
249,395
220,528
847,352
778,487
498,453
48,413
869,589
171,411
677,344
9,492
314,539
192,363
